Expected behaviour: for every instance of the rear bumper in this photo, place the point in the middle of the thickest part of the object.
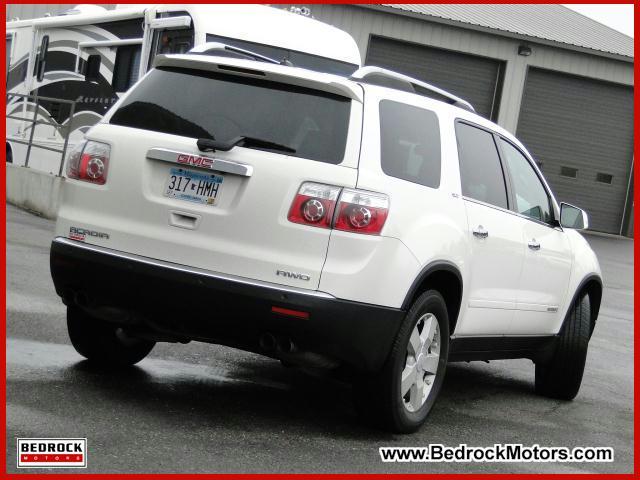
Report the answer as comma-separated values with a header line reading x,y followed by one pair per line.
x,y
192,304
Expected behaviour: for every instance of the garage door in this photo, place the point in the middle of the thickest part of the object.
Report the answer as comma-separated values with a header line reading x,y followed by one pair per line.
x,y
473,78
581,132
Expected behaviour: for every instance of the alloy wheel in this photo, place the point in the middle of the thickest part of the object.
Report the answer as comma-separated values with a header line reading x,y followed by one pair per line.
x,y
421,362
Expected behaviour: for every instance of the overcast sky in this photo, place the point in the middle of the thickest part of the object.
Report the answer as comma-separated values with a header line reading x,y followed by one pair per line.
x,y
615,16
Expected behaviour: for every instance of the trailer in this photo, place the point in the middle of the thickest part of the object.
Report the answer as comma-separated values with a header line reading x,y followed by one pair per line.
x,y
64,73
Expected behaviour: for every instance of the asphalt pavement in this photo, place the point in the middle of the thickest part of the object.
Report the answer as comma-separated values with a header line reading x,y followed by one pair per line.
x,y
205,408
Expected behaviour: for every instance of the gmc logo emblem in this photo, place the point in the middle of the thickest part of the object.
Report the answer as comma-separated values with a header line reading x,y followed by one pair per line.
x,y
297,276
203,162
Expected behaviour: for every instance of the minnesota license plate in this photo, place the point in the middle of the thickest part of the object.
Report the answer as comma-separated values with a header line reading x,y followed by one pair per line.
x,y
193,186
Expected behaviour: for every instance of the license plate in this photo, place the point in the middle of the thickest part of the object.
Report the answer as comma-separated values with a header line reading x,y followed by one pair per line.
x,y
193,186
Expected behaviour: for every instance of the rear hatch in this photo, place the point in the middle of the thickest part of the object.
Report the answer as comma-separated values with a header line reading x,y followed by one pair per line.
x,y
223,211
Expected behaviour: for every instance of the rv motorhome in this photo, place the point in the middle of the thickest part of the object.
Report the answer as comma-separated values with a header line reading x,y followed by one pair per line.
x,y
88,57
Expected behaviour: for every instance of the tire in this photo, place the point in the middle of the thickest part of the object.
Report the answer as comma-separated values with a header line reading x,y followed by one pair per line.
x,y
9,156
379,399
561,376
104,343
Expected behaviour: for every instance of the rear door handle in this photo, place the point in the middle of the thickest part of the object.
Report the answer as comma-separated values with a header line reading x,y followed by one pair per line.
x,y
534,245
480,232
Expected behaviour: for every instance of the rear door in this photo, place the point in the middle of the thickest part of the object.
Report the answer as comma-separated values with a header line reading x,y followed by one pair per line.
x,y
223,211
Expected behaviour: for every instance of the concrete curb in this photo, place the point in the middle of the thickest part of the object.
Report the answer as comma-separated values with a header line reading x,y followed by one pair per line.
x,y
34,190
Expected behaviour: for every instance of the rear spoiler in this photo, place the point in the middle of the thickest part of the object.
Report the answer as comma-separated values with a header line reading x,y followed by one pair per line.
x,y
213,48
252,69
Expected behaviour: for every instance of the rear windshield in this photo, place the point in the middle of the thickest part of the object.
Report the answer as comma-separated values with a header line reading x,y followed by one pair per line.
x,y
210,105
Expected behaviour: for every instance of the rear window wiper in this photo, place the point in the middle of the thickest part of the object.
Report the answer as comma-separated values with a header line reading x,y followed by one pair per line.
x,y
211,145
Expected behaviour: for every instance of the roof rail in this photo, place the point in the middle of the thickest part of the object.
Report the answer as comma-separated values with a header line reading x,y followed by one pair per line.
x,y
406,83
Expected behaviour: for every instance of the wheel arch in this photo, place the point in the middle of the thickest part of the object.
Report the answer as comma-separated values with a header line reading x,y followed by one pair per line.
x,y
591,285
445,277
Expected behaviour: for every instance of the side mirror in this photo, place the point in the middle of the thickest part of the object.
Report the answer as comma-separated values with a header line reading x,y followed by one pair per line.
x,y
573,217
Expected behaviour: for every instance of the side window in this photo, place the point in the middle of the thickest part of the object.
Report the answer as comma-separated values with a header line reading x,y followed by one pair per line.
x,y
41,59
175,41
92,69
481,173
410,143
531,197
166,42
125,72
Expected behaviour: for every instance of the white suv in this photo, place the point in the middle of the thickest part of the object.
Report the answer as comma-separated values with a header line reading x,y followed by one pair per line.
x,y
359,225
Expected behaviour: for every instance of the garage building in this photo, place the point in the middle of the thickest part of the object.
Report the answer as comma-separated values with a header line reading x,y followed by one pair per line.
x,y
563,83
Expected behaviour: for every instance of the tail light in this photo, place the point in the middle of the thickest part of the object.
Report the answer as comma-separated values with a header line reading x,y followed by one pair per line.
x,y
314,205
89,162
357,210
362,212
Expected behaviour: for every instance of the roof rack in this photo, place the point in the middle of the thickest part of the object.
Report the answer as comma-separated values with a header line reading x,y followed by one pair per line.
x,y
389,78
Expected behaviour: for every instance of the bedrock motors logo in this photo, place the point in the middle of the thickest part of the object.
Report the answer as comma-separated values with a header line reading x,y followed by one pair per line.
x,y
52,453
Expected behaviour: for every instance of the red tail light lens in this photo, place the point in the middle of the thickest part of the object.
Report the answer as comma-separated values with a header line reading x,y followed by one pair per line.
x,y
89,162
362,212
314,205
359,211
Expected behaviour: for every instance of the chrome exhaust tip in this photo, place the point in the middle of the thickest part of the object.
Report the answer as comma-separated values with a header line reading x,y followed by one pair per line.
x,y
286,345
267,342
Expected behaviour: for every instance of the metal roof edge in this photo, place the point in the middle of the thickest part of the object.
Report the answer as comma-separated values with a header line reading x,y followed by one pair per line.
x,y
495,31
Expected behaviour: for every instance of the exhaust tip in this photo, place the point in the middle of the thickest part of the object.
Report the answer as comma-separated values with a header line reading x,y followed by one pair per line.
x,y
267,342
285,345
